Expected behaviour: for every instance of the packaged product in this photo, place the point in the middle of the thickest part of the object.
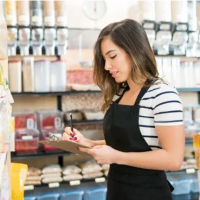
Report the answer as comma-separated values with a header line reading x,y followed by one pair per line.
x,y
52,180
71,169
49,169
18,178
72,177
93,175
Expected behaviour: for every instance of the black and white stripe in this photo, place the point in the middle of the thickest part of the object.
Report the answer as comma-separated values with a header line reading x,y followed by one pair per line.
x,y
160,106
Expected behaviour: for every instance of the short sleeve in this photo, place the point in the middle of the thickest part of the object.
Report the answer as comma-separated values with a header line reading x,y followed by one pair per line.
x,y
167,107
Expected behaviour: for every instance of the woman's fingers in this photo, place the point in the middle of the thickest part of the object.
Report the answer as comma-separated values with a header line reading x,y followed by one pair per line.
x,y
65,136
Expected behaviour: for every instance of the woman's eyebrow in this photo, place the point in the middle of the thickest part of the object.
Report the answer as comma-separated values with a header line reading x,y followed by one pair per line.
x,y
109,51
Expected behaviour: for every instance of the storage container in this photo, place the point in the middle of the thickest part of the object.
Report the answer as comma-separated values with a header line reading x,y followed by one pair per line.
x,y
25,120
51,120
23,11
28,74
29,198
72,195
50,196
58,76
36,13
45,136
26,140
15,75
49,13
95,194
42,76
11,13
181,184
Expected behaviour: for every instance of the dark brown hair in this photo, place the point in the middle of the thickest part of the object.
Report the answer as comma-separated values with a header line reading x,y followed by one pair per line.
x,y
131,37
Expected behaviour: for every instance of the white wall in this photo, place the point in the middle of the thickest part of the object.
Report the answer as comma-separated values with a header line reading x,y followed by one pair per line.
x,y
116,11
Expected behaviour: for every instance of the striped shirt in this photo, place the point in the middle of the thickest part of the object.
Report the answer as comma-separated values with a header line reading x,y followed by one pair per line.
x,y
160,106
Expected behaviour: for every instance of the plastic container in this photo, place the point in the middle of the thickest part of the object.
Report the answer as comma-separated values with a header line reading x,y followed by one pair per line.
x,y
28,74
181,183
72,195
11,13
51,196
95,194
26,120
51,120
49,13
45,136
29,198
23,10
15,76
26,141
58,76
36,13
42,76
61,14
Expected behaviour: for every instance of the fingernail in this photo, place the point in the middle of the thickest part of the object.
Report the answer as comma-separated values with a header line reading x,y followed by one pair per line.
x,y
71,138
75,138
78,148
71,134
92,146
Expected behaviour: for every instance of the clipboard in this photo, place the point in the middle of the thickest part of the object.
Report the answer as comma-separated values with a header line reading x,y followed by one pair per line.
x,y
67,145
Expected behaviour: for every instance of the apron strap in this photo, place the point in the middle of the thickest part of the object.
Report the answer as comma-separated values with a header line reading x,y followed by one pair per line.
x,y
141,94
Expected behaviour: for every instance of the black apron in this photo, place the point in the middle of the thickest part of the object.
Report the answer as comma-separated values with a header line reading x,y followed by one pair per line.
x,y
122,132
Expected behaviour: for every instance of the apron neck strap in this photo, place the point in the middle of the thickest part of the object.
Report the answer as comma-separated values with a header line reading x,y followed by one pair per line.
x,y
141,94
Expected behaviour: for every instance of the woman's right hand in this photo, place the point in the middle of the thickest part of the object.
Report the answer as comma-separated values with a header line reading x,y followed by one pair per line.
x,y
75,136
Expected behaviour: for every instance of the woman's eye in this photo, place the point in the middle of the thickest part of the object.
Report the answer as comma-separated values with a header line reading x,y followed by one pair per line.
x,y
113,57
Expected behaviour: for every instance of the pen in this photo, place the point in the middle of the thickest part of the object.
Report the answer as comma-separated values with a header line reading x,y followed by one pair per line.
x,y
71,121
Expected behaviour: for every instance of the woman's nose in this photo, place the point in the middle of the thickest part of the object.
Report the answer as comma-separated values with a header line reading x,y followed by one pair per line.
x,y
107,66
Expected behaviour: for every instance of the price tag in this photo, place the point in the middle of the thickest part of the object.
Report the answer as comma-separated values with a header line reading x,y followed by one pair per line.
x,y
28,137
54,185
190,171
100,180
28,187
77,182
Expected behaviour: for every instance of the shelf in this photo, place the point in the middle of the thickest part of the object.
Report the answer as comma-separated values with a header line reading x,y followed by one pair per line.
x,y
85,122
53,93
189,89
38,155
189,142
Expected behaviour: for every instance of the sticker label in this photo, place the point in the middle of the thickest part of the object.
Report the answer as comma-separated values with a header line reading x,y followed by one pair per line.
x,y
100,180
77,182
54,185
28,187
28,137
190,171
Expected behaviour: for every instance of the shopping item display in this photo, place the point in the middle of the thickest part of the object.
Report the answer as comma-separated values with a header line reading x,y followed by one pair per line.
x,y
36,25
33,176
52,171
28,75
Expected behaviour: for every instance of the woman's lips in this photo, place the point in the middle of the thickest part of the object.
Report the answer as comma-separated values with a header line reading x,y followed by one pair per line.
x,y
114,74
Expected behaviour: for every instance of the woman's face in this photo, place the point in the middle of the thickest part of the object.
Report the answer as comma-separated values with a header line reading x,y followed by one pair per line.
x,y
117,61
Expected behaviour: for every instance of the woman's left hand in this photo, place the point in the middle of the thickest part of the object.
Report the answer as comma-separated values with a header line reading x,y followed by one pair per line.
x,y
103,154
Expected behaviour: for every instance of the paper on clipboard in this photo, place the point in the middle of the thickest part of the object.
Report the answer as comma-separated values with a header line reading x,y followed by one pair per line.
x,y
67,145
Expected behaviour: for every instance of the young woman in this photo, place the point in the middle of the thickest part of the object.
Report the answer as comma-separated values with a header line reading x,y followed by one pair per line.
x,y
143,124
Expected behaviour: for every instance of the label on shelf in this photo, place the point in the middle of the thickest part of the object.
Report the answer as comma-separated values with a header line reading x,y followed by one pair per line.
x,y
77,182
54,185
28,137
190,171
100,180
28,187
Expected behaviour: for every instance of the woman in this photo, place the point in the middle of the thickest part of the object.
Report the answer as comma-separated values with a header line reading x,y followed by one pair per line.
x,y
143,125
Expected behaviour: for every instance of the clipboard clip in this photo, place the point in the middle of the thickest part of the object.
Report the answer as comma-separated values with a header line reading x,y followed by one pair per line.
x,y
52,137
